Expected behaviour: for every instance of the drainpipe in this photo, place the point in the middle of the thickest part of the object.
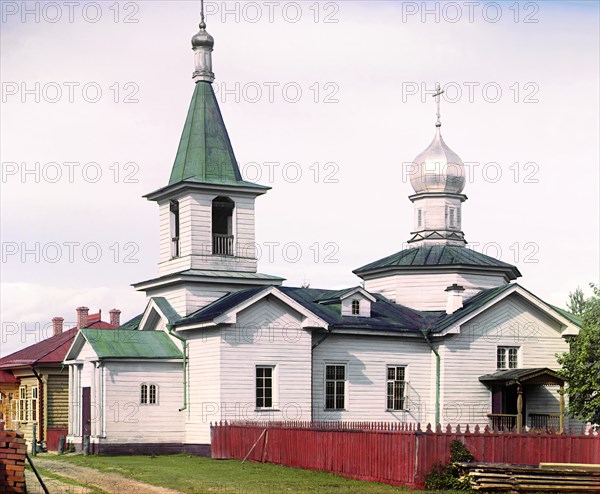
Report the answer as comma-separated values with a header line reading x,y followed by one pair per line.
x,y
40,405
184,343
437,377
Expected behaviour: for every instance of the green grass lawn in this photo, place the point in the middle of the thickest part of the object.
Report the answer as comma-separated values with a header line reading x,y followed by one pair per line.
x,y
195,475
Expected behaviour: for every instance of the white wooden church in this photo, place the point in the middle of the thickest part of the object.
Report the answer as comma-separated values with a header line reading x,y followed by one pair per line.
x,y
436,333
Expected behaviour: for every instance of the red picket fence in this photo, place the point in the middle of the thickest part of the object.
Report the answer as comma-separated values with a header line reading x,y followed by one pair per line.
x,y
397,454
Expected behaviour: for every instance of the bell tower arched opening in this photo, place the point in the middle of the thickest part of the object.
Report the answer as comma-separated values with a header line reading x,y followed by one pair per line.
x,y
222,226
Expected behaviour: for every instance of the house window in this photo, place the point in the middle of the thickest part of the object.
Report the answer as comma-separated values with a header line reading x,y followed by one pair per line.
x,y
33,404
396,387
419,217
452,217
174,227
21,405
148,394
355,307
264,386
335,387
507,357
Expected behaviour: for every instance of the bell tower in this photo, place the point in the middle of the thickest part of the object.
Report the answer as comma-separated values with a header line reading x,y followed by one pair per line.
x,y
206,212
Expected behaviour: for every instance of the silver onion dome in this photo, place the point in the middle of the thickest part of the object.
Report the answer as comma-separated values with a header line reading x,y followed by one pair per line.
x,y
438,168
202,38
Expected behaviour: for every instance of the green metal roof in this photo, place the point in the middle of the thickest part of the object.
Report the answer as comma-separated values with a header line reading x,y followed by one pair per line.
x,y
132,323
567,315
167,310
471,305
438,255
122,343
205,153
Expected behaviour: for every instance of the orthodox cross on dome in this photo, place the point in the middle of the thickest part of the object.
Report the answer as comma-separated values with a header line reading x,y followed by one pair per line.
x,y
438,92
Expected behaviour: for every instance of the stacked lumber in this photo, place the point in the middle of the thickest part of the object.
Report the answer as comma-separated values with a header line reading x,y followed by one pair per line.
x,y
12,461
503,477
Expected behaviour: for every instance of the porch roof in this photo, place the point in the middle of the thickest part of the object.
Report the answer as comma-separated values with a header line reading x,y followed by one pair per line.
x,y
7,377
539,375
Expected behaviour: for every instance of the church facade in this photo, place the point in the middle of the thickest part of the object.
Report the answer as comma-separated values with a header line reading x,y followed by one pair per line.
x,y
436,333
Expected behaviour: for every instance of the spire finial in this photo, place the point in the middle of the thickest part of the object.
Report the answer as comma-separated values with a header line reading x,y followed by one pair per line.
x,y
438,92
202,44
202,23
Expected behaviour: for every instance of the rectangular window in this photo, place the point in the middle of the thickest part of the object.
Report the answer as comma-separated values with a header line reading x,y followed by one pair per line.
x,y
144,394
21,405
335,387
452,217
264,386
419,217
396,387
33,406
507,357
355,307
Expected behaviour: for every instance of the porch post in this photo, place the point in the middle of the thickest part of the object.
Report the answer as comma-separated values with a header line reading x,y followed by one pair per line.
x,y
519,408
561,401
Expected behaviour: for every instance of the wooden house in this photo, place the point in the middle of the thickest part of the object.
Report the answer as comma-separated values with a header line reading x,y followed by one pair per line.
x,y
34,382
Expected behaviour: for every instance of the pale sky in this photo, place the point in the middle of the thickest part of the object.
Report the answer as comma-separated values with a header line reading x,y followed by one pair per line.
x,y
324,102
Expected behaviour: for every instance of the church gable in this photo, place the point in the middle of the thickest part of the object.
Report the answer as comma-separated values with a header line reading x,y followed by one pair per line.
x,y
158,314
270,312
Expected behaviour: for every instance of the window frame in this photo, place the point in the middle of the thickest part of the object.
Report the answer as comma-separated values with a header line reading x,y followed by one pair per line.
x,y
355,307
404,382
21,409
146,394
273,369
507,359
32,413
344,406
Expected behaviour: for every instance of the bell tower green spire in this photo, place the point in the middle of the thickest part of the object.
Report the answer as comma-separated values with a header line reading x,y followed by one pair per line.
x,y
205,154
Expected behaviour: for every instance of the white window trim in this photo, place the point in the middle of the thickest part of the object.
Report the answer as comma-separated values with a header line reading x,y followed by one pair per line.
x,y
21,405
148,404
33,405
506,357
345,408
274,388
406,387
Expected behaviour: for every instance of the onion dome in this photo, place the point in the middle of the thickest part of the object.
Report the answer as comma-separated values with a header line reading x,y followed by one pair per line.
x,y
202,38
438,168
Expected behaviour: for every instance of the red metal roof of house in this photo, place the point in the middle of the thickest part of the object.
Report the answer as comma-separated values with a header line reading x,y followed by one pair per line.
x,y
51,350
7,377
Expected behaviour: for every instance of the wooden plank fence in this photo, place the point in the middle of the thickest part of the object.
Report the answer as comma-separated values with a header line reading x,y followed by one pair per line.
x,y
393,453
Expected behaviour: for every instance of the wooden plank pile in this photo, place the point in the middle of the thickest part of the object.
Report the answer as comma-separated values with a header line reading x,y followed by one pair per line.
x,y
502,477
12,461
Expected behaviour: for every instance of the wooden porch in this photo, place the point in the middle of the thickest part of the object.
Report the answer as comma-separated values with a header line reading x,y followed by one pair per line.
x,y
537,421
508,391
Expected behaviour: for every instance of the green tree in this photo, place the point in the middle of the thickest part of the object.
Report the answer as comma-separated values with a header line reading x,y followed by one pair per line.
x,y
581,365
576,303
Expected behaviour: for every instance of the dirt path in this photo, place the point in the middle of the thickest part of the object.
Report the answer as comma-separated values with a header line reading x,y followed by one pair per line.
x,y
54,486
111,483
